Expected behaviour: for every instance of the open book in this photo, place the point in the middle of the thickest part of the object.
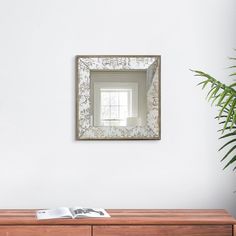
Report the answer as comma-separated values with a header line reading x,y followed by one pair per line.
x,y
74,212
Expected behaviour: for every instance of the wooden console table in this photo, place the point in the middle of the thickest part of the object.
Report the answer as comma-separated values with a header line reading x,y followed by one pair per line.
x,y
122,223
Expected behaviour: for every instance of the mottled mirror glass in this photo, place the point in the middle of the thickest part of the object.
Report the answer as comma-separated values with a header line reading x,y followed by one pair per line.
x,y
118,97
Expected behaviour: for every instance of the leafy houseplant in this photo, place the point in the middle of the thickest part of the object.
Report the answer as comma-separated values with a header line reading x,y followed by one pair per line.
x,y
224,97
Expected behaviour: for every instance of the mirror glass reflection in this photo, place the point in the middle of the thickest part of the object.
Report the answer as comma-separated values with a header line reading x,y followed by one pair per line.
x,y
118,98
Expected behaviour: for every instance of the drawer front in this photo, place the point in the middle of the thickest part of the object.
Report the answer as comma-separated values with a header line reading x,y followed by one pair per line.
x,y
45,231
164,230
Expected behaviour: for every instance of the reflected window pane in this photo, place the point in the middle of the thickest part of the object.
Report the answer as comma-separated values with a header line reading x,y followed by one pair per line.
x,y
114,98
114,112
115,106
123,97
123,112
105,112
105,98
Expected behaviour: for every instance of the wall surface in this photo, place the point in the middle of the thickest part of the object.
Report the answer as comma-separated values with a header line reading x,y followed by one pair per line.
x,y
41,164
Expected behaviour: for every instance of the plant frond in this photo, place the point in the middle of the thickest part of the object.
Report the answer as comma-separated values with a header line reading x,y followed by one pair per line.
x,y
220,117
230,67
215,98
231,112
231,141
228,135
231,149
224,97
230,162
227,128
226,104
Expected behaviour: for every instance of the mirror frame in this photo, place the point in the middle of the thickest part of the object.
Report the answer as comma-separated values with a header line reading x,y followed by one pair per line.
x,y
86,63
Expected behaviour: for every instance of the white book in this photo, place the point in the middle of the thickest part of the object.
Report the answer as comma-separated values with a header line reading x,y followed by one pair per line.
x,y
73,213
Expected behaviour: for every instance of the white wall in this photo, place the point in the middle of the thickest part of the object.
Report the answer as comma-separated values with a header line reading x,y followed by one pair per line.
x,y
41,164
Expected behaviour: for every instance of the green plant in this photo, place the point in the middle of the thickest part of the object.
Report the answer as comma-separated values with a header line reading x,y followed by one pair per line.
x,y
224,97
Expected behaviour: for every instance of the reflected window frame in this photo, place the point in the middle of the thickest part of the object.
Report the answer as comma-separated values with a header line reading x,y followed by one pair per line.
x,y
99,86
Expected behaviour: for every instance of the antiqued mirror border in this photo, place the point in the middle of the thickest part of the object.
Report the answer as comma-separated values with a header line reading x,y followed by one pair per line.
x,y
86,63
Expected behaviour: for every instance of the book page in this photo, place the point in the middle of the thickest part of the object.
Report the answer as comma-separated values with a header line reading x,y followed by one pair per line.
x,y
62,212
81,212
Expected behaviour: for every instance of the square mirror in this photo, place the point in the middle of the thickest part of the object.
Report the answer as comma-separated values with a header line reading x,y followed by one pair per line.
x,y
118,97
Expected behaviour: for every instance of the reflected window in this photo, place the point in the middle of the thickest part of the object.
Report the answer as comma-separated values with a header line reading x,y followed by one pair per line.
x,y
116,106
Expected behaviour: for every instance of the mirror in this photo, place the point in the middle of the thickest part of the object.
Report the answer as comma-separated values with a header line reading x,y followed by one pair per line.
x,y
118,97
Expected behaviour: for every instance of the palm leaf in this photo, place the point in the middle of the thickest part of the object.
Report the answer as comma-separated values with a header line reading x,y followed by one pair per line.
x,y
226,104
227,128
231,112
228,135
224,97
231,141
231,149
230,162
